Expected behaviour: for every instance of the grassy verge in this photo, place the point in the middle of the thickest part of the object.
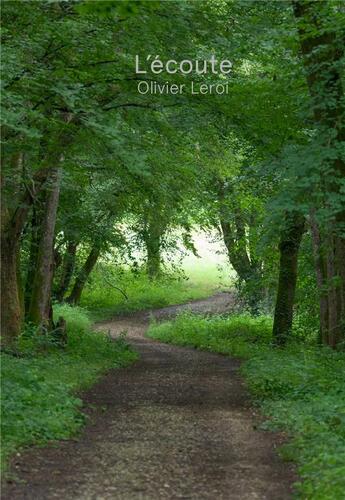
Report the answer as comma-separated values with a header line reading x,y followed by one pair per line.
x,y
301,389
103,298
38,389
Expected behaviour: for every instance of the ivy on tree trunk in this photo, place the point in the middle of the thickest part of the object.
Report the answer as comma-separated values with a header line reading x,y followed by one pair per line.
x,y
289,244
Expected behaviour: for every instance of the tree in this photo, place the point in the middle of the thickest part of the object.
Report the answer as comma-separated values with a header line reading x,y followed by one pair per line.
x,y
82,276
86,156
68,266
13,219
40,308
322,51
290,240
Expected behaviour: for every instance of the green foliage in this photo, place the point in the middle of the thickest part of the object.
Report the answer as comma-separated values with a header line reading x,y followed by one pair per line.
x,y
149,164
131,159
38,388
301,389
307,321
114,7
239,335
104,296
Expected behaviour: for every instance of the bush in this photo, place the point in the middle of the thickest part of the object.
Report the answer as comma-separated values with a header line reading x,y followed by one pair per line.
x,y
38,389
240,335
301,388
303,391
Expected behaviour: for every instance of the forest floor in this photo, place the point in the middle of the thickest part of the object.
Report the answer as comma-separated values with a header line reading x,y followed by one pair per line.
x,y
176,424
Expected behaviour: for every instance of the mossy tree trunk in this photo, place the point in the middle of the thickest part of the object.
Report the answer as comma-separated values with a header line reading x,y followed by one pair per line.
x,y
40,311
84,273
237,251
12,224
320,276
154,230
11,311
36,219
68,265
329,263
153,256
236,233
290,241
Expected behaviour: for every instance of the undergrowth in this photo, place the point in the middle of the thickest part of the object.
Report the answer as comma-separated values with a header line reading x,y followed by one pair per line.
x,y
39,385
112,291
301,388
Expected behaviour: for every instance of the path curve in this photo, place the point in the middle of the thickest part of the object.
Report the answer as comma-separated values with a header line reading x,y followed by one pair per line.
x,y
175,425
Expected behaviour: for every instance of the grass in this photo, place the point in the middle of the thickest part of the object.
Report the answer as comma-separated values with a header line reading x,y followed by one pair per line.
x,y
300,388
103,300
39,401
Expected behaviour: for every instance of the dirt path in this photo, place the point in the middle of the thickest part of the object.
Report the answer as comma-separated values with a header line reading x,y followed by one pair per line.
x,y
177,424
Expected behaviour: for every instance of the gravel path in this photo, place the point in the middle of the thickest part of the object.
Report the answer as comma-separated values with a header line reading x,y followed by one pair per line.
x,y
175,425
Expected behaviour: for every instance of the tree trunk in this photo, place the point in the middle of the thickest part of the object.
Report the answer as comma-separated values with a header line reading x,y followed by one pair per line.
x,y
322,50
247,268
320,278
289,245
67,270
237,253
11,311
153,232
12,224
153,256
83,275
36,220
331,296
40,312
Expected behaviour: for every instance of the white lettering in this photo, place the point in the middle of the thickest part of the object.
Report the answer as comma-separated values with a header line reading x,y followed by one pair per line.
x,y
186,66
137,70
225,66
143,87
199,70
213,61
157,65
188,63
169,63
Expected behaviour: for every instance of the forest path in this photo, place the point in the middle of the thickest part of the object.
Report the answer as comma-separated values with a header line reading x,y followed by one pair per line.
x,y
176,424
